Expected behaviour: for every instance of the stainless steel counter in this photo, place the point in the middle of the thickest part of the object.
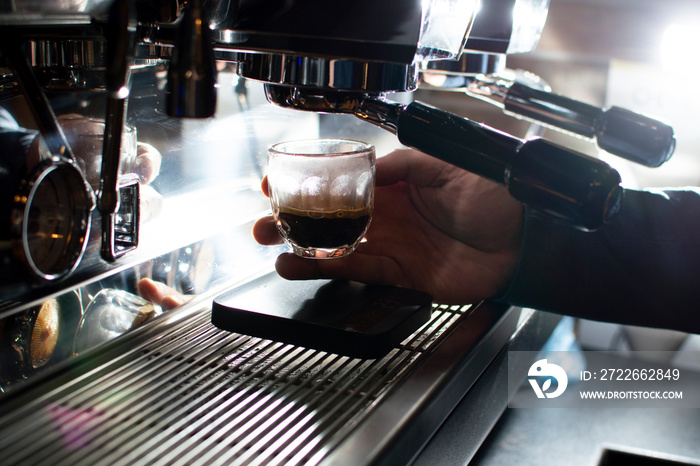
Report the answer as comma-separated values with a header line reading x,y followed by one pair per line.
x,y
180,391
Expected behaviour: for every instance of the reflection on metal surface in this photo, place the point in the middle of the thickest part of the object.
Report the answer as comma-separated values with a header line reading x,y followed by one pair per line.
x,y
51,209
37,338
191,269
44,336
195,268
111,313
120,230
327,74
197,395
33,338
67,53
60,6
51,219
86,138
456,74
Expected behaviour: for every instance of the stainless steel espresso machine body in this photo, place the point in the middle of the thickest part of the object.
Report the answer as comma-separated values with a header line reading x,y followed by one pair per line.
x,y
93,372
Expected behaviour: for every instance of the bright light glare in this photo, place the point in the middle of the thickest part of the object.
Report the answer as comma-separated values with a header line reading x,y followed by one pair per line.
x,y
529,17
679,46
445,27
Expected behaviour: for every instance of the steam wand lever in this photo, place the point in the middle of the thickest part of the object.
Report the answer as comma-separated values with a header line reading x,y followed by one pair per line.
x,y
118,204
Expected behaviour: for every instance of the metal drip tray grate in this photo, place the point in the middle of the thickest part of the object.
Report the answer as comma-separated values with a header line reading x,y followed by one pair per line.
x,y
193,394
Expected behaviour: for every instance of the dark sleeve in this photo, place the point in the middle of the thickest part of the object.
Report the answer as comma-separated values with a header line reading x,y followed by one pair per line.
x,y
641,268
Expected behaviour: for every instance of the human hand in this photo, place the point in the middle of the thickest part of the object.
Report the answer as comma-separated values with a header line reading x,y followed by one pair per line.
x,y
161,294
435,228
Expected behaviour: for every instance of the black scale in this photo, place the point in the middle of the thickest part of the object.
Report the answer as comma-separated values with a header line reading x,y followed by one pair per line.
x,y
338,316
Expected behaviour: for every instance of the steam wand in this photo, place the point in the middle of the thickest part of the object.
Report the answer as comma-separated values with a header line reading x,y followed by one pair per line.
x,y
581,190
616,130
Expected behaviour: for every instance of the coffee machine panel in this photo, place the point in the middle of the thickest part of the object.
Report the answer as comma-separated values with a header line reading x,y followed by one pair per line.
x,y
176,101
326,59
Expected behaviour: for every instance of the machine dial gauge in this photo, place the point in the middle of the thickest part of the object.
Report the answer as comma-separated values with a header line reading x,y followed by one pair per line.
x,y
51,219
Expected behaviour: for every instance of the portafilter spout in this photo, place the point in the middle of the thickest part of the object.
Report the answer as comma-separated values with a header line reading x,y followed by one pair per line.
x,y
581,190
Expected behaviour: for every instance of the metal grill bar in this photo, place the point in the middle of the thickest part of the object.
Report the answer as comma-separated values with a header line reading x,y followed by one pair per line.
x,y
95,395
206,445
269,427
152,406
202,414
208,448
211,416
312,406
199,395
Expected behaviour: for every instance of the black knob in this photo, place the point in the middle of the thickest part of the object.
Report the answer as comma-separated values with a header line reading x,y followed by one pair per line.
x,y
583,191
635,137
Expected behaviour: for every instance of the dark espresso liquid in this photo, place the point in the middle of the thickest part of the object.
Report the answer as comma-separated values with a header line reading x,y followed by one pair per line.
x,y
319,229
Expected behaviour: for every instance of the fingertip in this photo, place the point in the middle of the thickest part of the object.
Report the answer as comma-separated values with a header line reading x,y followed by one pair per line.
x,y
144,169
151,290
145,288
265,187
171,302
265,231
292,267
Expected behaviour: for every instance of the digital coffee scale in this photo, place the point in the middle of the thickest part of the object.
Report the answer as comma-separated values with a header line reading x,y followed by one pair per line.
x,y
338,316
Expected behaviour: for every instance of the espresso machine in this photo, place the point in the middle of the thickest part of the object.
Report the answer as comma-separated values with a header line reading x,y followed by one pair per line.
x,y
93,372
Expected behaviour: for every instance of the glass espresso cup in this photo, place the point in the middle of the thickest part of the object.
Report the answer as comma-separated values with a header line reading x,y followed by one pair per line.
x,y
86,137
322,194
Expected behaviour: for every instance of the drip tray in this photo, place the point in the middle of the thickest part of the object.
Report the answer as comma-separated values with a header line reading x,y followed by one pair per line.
x,y
182,391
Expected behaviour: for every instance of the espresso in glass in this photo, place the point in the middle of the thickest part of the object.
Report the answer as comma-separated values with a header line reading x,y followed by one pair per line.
x,y
322,194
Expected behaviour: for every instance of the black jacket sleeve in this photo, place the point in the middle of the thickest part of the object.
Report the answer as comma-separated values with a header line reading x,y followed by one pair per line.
x,y
642,268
